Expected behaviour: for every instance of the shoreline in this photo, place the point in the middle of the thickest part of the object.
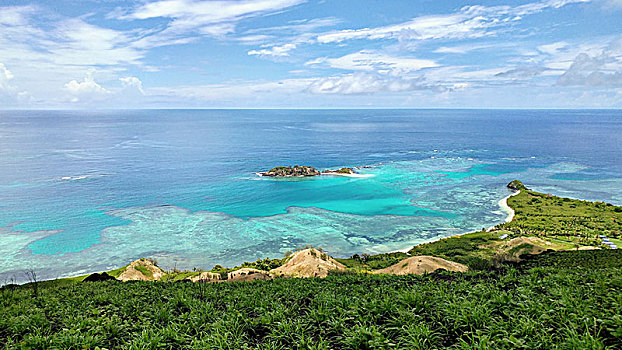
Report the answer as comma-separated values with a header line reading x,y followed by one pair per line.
x,y
503,203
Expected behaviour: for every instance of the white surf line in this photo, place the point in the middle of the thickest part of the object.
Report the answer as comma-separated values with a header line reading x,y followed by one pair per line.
x,y
348,175
505,207
503,203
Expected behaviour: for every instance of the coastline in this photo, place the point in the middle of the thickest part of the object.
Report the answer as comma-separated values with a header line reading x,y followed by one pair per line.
x,y
503,203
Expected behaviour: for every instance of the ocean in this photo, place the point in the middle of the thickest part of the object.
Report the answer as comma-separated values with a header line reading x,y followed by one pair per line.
x,y
86,191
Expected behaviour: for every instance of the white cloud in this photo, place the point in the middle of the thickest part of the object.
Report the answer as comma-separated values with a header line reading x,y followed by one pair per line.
x,y
214,18
462,49
602,70
208,11
298,26
316,61
367,60
279,91
132,83
454,49
49,44
15,15
278,51
5,77
85,90
76,42
557,57
521,72
365,83
554,48
469,22
294,34
223,94
253,39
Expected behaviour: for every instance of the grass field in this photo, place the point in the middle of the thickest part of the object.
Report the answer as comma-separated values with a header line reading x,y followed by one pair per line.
x,y
547,215
541,307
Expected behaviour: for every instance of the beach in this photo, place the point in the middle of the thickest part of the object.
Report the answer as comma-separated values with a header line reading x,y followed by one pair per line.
x,y
506,208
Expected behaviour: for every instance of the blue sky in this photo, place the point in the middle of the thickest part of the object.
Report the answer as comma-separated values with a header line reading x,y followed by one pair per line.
x,y
311,54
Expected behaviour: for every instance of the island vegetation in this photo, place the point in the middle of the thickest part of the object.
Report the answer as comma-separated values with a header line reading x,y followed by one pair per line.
x,y
545,280
291,171
340,171
565,219
303,171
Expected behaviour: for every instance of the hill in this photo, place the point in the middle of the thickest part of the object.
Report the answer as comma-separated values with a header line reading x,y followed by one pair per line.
x,y
541,307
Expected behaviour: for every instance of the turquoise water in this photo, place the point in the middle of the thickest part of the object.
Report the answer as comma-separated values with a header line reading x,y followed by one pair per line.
x,y
88,191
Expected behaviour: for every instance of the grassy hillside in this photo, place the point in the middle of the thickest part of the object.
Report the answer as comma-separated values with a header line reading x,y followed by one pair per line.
x,y
535,308
547,215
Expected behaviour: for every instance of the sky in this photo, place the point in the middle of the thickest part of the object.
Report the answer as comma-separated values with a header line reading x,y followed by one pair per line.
x,y
73,54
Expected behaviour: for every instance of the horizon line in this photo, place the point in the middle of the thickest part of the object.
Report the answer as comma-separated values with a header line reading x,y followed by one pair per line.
x,y
317,108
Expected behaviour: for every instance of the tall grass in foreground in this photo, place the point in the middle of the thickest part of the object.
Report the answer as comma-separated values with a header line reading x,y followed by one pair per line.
x,y
538,308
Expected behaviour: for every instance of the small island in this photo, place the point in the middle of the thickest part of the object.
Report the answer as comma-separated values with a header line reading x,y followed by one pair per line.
x,y
304,171
291,171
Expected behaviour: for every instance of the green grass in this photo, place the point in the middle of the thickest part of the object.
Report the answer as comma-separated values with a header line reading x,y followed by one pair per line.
x,y
537,308
587,259
472,249
117,272
178,276
616,241
144,270
546,215
567,223
266,264
372,262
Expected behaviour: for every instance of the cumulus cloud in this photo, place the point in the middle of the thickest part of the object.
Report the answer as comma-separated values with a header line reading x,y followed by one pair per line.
x,y
9,94
275,51
602,70
365,83
469,22
132,83
85,90
5,77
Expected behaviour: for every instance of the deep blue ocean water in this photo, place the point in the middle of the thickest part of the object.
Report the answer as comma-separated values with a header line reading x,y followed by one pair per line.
x,y
84,191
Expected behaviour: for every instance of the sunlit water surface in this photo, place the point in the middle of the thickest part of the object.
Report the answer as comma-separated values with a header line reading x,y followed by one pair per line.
x,y
89,191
